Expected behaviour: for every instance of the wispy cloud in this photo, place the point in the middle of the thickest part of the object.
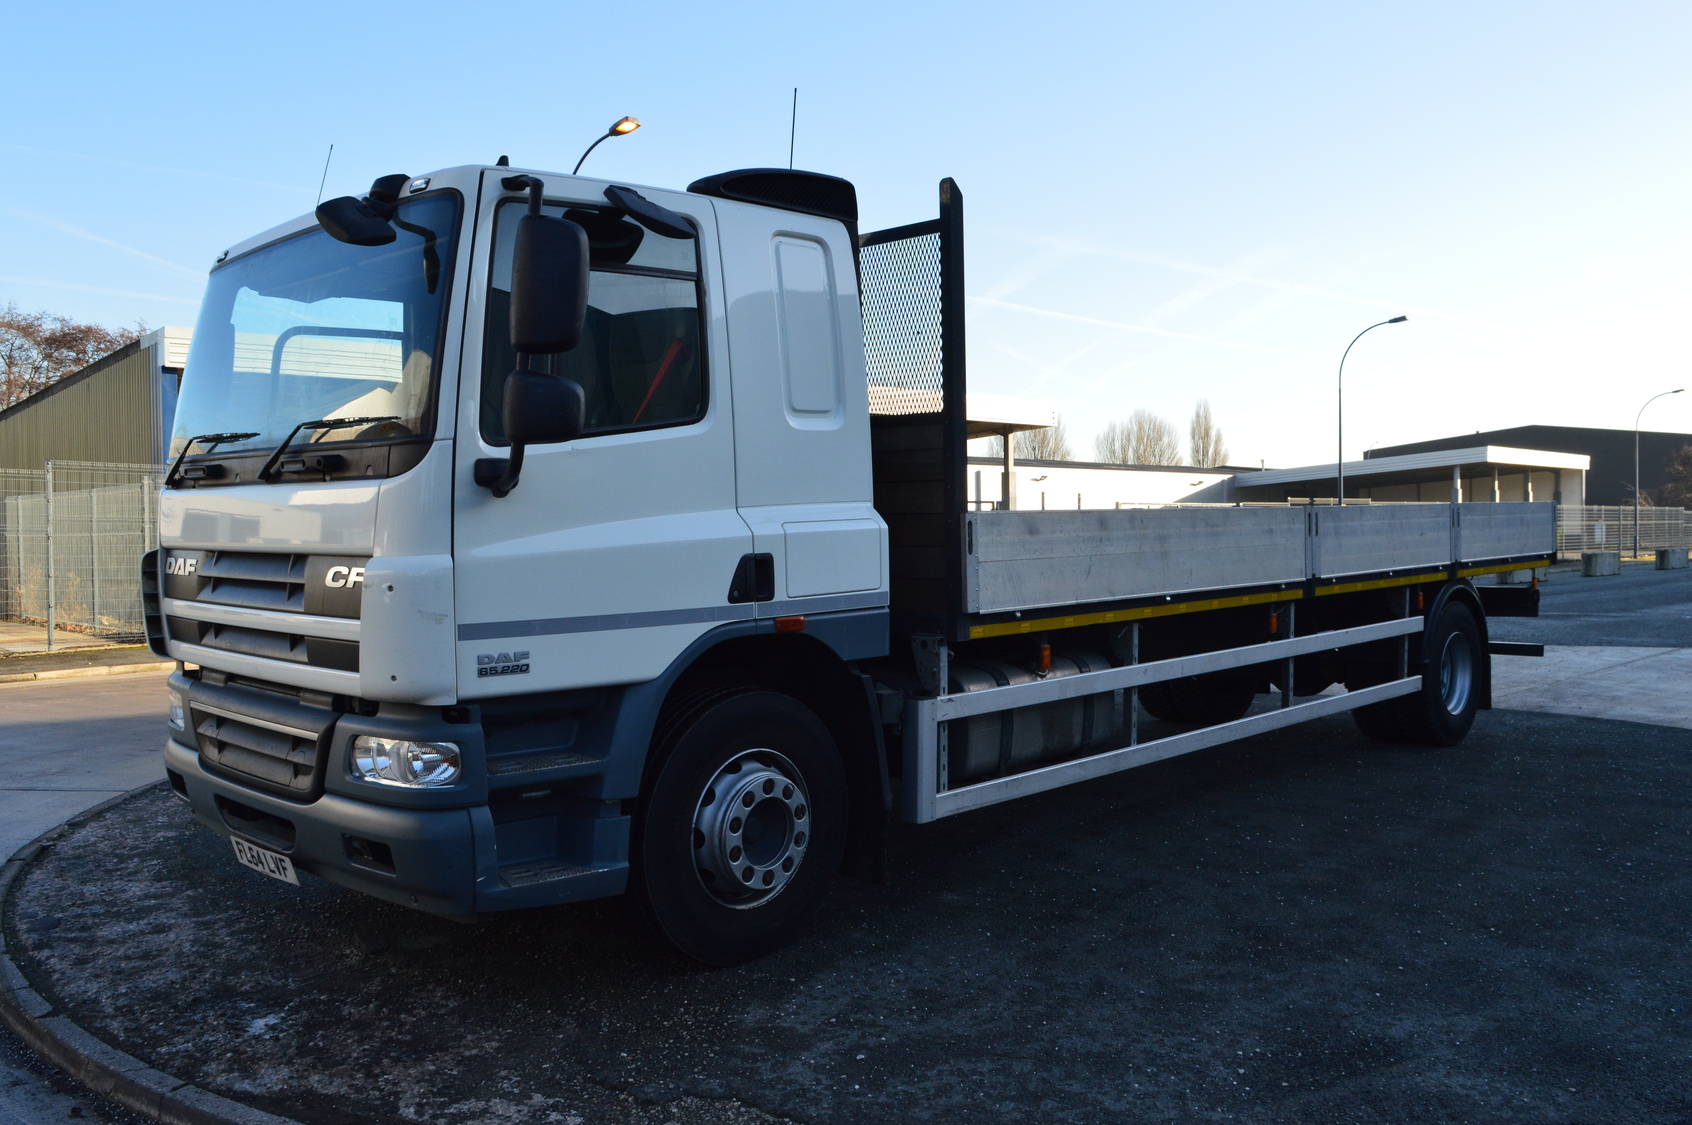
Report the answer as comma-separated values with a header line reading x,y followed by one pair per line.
x,y
1144,328
1239,278
90,236
8,279
295,188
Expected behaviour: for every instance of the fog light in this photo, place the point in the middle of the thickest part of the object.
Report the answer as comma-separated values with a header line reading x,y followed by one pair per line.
x,y
398,761
178,714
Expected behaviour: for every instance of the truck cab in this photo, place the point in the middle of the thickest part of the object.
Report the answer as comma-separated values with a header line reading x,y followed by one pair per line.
x,y
445,697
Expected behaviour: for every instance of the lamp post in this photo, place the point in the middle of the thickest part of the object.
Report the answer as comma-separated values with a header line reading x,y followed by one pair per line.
x,y
1636,418
622,128
1339,394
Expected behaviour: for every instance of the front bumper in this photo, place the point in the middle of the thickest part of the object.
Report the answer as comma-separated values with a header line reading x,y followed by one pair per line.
x,y
429,861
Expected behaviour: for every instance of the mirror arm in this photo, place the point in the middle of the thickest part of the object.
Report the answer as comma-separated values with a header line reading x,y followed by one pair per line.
x,y
535,186
499,474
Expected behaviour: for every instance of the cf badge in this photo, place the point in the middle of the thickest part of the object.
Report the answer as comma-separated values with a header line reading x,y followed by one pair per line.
x,y
341,576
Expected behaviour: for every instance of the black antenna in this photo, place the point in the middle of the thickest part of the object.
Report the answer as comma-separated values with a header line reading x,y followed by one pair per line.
x,y
325,178
793,128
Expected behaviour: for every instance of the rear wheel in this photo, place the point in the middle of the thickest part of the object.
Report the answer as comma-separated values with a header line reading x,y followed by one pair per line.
x,y
1441,713
741,829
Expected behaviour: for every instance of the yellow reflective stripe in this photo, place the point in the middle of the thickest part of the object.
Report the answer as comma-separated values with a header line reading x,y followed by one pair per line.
x,y
1469,571
1110,617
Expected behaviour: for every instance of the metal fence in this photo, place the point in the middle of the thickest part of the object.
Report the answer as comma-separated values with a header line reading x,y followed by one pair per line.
x,y
1610,528
71,539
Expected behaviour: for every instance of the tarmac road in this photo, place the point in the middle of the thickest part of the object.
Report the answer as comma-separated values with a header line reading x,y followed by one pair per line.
x,y
1640,607
923,963
1304,927
66,745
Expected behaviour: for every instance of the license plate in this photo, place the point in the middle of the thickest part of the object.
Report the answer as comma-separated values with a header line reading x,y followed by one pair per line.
x,y
274,864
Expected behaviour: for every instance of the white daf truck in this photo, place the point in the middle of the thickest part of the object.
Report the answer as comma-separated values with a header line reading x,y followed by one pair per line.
x,y
533,538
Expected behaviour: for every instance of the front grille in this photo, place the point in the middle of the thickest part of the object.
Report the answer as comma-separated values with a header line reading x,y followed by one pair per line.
x,y
254,581
318,585
271,740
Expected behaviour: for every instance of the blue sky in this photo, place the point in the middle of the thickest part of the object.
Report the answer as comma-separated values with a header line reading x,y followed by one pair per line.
x,y
1164,201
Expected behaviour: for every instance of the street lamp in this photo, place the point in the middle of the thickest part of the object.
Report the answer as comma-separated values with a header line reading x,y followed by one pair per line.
x,y
1636,418
1339,463
623,127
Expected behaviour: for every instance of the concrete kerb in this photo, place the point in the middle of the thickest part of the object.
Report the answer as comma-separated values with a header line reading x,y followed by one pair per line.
x,y
101,1068
78,673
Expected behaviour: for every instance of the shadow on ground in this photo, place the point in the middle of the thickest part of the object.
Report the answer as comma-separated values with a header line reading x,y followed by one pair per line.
x,y
1299,928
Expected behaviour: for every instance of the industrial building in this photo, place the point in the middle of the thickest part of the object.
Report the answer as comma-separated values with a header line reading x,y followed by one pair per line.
x,y
118,409
1609,480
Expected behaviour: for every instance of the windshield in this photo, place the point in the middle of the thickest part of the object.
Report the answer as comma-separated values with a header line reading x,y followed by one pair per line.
x,y
311,328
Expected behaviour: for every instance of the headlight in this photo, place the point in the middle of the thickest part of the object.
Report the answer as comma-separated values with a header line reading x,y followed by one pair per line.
x,y
178,713
397,761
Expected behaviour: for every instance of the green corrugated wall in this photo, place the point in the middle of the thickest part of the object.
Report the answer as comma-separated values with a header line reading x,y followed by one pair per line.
x,y
107,412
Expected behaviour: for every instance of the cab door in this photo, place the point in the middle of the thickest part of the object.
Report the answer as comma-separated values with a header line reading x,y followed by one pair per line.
x,y
615,550
801,404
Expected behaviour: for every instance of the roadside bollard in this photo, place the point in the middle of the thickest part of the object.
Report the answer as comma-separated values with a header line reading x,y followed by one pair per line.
x,y
1671,558
1600,564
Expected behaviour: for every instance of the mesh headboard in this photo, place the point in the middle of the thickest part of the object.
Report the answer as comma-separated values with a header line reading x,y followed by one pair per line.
x,y
911,286
904,322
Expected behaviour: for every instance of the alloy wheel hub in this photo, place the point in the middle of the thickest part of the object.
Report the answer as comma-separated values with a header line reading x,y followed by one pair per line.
x,y
751,828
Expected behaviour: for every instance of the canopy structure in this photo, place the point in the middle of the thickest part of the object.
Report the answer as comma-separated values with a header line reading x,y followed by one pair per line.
x,y
1483,472
998,415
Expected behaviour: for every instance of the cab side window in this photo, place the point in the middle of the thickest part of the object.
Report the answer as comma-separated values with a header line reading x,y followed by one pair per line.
x,y
641,361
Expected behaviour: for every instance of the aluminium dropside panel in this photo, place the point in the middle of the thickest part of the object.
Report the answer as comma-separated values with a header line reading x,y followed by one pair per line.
x,y
1034,560
1510,530
1369,539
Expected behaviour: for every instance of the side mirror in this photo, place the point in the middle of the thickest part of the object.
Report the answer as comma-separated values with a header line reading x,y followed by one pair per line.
x,y
549,286
542,409
537,410
350,220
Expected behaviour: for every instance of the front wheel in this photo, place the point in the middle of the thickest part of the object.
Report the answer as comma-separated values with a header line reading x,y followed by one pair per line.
x,y
741,829
1444,710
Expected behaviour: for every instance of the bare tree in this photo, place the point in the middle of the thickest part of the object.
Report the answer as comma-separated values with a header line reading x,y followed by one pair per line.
x,y
1048,443
1205,447
1152,440
38,349
1677,490
1114,445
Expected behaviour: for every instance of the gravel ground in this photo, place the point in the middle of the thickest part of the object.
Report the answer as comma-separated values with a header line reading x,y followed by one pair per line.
x,y
1301,928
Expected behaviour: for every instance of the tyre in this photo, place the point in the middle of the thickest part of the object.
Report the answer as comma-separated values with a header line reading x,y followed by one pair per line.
x,y
741,828
1159,702
1441,713
1198,700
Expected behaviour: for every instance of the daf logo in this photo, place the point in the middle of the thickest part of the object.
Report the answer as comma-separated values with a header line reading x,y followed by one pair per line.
x,y
502,663
342,576
180,565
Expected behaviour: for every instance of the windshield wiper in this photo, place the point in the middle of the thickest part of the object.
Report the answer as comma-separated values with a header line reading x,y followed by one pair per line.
x,y
211,440
264,474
